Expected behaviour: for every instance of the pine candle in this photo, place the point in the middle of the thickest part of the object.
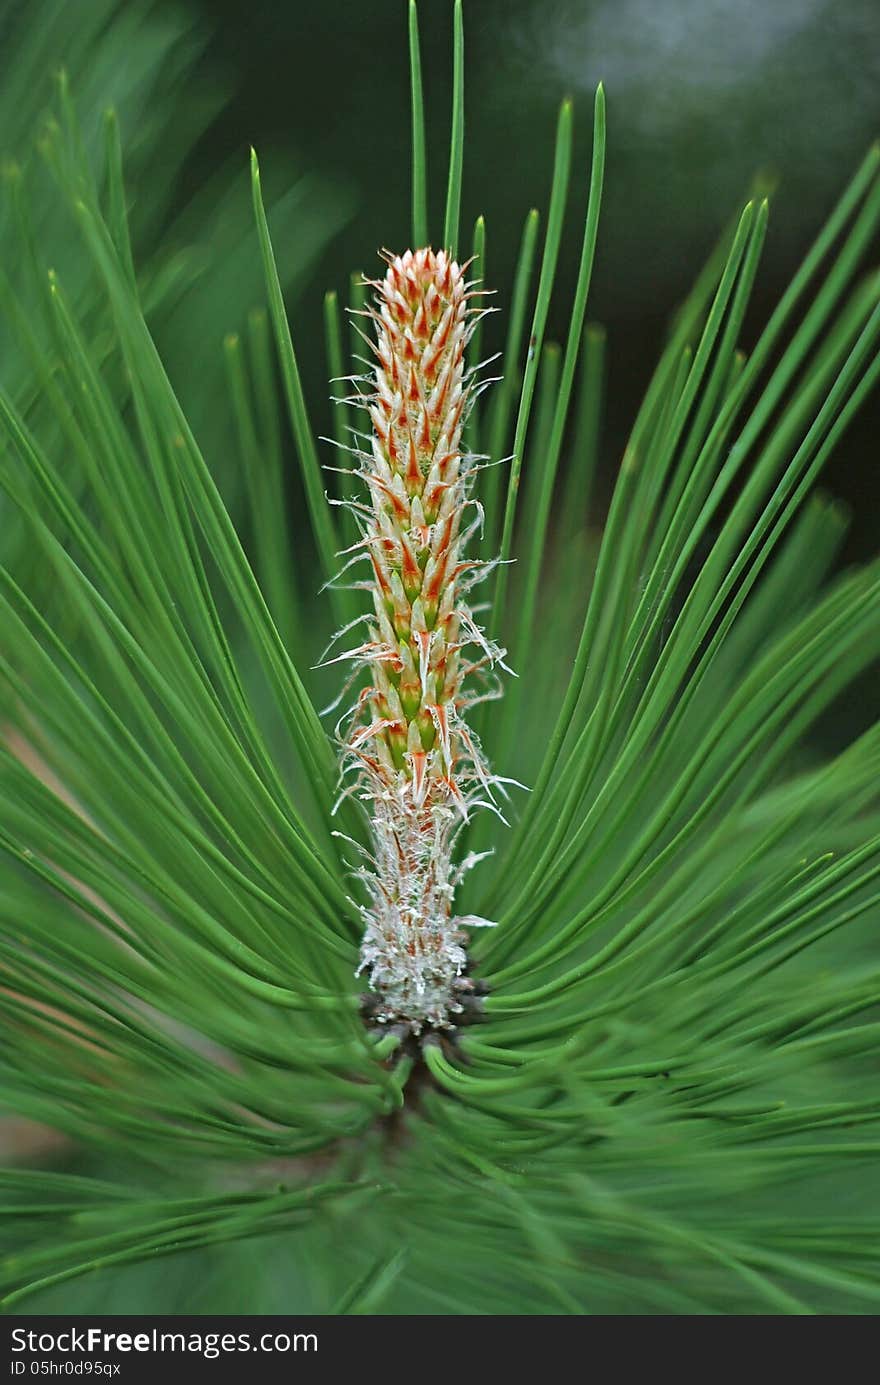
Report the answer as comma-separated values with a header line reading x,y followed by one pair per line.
x,y
409,748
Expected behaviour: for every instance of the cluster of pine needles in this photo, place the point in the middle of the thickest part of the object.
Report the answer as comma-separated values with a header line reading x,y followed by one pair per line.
x,y
671,1104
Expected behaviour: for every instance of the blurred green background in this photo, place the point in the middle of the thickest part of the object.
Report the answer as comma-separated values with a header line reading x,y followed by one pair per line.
x,y
702,95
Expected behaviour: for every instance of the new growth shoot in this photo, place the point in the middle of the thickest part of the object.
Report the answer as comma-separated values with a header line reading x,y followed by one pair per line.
x,y
407,746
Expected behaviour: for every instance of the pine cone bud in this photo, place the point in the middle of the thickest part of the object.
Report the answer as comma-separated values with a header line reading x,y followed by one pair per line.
x,y
415,760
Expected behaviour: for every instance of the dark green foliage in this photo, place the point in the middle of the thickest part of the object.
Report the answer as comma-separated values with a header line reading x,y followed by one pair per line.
x,y
672,1105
